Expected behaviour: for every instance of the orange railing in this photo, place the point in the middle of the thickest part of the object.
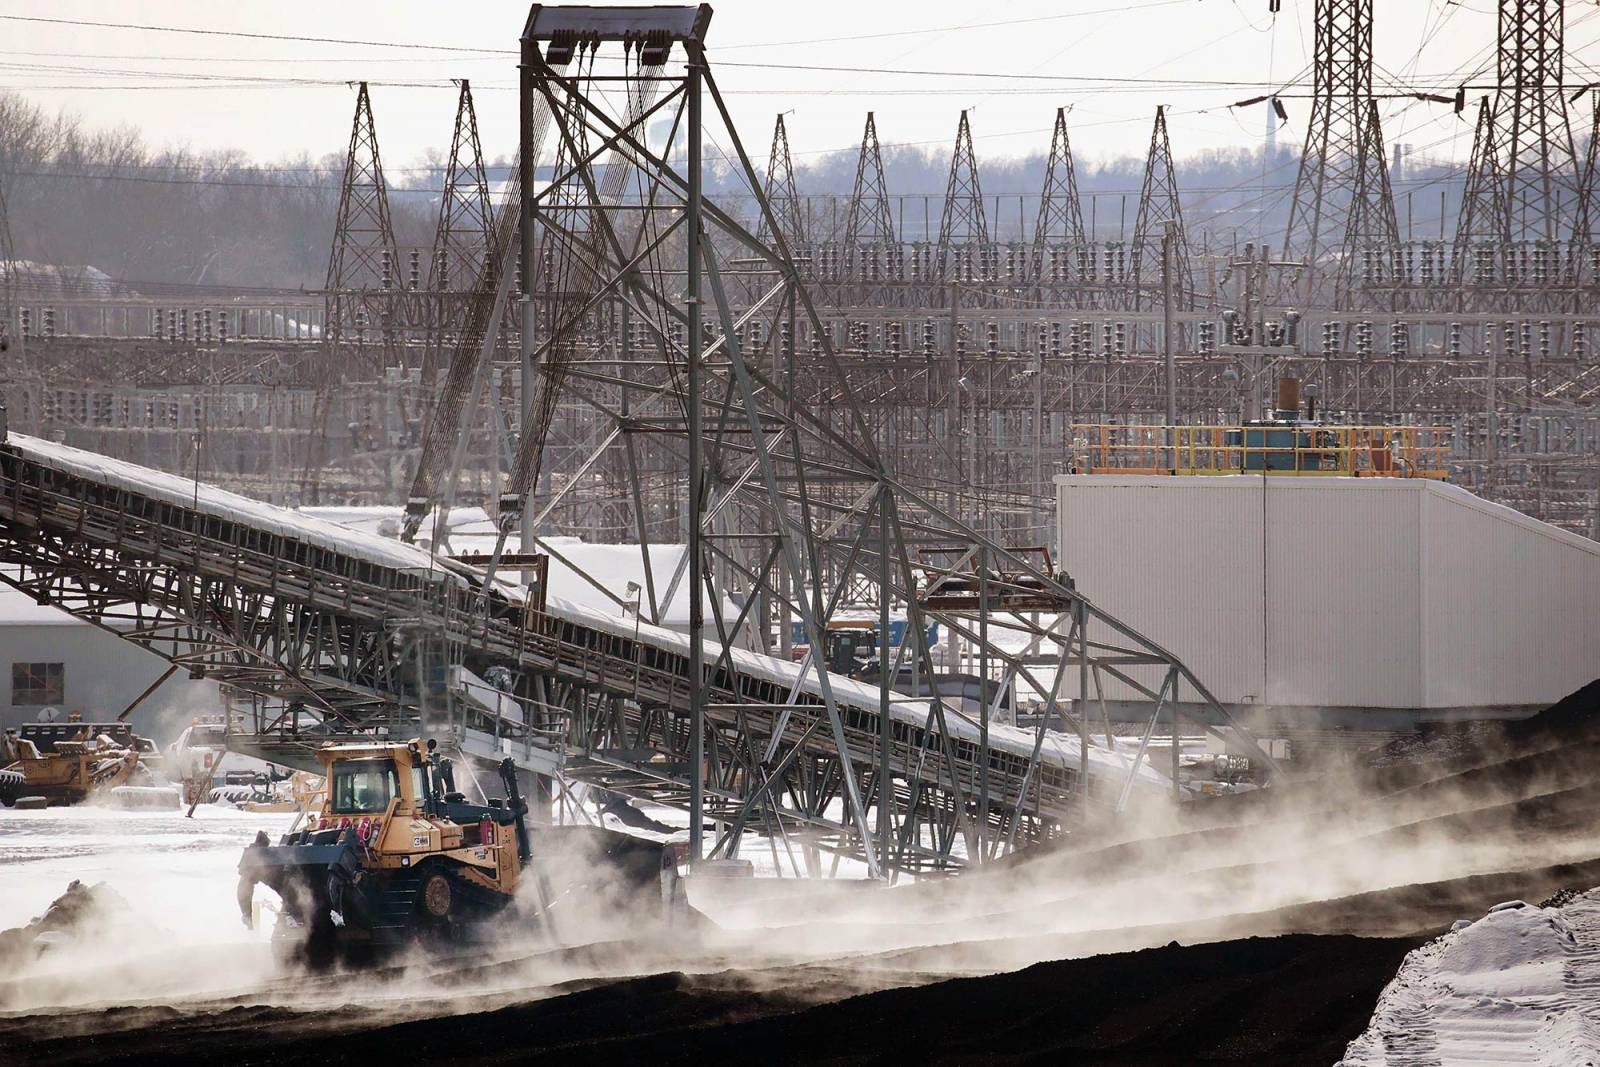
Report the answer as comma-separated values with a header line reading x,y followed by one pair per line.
x,y
1348,451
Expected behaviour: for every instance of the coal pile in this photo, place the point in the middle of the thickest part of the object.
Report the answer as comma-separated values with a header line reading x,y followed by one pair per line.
x,y
1259,1001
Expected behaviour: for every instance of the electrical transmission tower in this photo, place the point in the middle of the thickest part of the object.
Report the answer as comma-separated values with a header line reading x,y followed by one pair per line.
x,y
1483,210
361,288
781,192
1158,206
1336,193
1525,195
1060,220
466,218
963,224
362,302
869,222
1537,162
1589,210
461,240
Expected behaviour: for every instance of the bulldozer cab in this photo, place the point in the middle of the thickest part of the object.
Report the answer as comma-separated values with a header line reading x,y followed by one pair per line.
x,y
371,780
364,786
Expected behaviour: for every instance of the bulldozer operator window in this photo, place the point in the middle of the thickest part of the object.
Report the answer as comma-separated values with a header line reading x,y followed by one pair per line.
x,y
363,787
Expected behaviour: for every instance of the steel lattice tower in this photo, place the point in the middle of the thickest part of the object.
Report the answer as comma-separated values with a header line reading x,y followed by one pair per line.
x,y
1483,208
869,223
1372,231
362,300
466,217
462,237
1343,147
362,268
781,192
1589,212
1538,165
1060,213
1158,205
963,222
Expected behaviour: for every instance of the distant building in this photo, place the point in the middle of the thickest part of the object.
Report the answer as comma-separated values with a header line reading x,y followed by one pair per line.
x,y
49,660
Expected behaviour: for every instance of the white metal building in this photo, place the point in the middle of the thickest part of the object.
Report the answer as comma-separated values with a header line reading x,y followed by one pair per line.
x,y
1340,601
49,659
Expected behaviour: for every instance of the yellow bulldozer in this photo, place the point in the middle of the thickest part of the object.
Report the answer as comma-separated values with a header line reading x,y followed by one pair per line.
x,y
67,763
395,854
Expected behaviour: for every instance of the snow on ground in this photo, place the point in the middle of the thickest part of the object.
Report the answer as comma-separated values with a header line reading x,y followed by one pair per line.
x,y
181,935
1519,986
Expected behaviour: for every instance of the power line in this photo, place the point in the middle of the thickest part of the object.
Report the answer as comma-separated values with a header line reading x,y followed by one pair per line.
x,y
951,29
297,38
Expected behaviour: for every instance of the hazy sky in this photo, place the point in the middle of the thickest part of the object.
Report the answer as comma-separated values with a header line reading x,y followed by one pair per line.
x,y
277,98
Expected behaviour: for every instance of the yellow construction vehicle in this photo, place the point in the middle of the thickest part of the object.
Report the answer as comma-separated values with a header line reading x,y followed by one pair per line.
x,y
67,763
394,855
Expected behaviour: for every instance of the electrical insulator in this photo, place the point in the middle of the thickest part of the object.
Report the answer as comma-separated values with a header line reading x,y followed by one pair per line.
x,y
1055,340
1455,340
1580,339
1105,339
1544,340
387,269
929,337
992,339
222,326
156,324
415,279
205,318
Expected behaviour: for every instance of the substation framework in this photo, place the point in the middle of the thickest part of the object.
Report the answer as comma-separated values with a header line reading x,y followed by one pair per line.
x,y
976,361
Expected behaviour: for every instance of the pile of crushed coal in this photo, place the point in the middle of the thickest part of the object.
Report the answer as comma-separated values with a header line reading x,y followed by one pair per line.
x,y
68,917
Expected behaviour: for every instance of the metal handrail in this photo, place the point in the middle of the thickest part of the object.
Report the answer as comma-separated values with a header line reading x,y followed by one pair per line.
x,y
1351,451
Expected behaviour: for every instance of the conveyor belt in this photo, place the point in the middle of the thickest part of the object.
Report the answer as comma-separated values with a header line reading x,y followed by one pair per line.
x,y
332,624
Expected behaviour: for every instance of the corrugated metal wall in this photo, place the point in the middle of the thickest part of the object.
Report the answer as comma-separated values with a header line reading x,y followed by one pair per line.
x,y
1339,592
1512,604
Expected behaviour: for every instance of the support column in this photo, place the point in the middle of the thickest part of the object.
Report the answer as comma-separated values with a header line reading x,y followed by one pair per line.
x,y
697,622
